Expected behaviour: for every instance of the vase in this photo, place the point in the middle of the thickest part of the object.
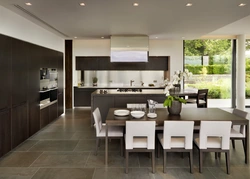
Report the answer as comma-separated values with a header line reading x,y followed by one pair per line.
x,y
175,109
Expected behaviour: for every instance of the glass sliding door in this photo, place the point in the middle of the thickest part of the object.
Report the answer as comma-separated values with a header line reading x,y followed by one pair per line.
x,y
247,55
210,61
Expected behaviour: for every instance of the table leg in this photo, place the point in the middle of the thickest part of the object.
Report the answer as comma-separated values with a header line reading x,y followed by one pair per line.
x,y
106,146
247,144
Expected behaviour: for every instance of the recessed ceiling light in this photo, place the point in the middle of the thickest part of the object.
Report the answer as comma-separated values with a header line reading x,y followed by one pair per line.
x,y
242,4
156,37
183,37
102,37
136,4
28,4
189,4
75,37
82,4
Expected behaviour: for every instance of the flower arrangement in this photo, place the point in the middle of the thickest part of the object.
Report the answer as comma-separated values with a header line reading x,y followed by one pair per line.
x,y
177,77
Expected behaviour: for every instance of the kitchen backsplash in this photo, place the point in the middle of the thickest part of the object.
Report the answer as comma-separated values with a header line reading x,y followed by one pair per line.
x,y
121,78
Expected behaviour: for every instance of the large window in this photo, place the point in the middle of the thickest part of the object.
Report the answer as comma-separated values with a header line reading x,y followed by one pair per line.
x,y
210,61
247,101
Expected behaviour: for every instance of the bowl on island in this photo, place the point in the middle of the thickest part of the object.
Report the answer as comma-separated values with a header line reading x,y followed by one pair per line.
x,y
137,114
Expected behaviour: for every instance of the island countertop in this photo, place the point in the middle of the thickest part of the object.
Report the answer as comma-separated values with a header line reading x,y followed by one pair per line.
x,y
112,92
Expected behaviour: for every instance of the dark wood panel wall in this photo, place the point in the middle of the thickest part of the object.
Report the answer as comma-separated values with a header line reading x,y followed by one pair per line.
x,y
20,64
68,70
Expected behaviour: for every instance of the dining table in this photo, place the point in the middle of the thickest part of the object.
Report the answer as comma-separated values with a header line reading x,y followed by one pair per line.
x,y
187,114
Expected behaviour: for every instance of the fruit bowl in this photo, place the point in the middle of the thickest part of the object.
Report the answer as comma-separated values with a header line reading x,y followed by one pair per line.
x,y
137,114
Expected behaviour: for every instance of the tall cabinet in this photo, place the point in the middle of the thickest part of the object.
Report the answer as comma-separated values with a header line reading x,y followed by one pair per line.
x,y
20,64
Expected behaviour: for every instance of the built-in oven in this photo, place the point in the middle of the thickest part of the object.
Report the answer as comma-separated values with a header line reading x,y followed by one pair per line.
x,y
44,96
53,94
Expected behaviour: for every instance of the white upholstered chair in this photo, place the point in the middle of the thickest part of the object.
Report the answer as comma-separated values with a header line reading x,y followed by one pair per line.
x,y
177,137
238,131
113,131
214,136
140,137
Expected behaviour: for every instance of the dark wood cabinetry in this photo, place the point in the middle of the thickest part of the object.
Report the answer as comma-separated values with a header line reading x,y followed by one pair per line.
x,y
19,72
5,71
5,132
60,109
19,124
103,63
20,64
44,117
53,112
82,96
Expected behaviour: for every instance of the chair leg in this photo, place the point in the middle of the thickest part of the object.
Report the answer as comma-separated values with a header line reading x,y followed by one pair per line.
x,y
164,160
227,161
191,161
121,141
96,146
153,161
201,159
127,155
233,143
243,143
158,150
216,155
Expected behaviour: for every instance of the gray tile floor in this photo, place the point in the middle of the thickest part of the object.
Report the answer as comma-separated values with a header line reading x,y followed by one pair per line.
x,y
64,149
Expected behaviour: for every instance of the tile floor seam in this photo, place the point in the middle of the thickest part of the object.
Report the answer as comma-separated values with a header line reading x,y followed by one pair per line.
x,y
35,172
87,160
76,145
35,159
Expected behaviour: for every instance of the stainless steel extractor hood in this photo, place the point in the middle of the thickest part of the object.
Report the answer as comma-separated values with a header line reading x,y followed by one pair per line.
x,y
129,48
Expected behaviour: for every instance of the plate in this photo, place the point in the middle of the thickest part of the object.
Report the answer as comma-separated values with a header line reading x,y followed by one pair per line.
x,y
121,112
152,115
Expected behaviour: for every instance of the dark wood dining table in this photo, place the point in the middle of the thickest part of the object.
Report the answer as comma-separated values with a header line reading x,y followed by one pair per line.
x,y
187,114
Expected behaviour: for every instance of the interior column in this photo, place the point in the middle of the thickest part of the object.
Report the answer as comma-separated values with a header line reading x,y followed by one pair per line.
x,y
240,71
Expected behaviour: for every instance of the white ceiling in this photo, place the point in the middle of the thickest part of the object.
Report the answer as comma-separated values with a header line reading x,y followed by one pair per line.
x,y
165,19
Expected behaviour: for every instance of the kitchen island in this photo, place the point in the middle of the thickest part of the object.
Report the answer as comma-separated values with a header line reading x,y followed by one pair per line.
x,y
111,98
82,94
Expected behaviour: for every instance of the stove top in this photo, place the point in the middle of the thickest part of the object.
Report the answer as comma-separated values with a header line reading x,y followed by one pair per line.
x,y
129,90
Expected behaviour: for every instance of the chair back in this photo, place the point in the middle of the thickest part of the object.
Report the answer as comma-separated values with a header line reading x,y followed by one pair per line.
x,y
242,114
98,120
140,129
178,129
202,95
219,129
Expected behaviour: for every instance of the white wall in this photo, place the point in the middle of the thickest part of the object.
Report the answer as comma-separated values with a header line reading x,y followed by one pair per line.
x,y
172,48
16,26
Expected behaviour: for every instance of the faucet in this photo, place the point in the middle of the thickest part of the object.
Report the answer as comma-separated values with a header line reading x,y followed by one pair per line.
x,y
131,82
142,83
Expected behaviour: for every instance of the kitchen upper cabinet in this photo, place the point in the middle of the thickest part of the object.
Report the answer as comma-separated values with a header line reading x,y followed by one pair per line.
x,y
53,59
86,63
157,63
19,124
103,63
5,132
19,72
5,71
45,58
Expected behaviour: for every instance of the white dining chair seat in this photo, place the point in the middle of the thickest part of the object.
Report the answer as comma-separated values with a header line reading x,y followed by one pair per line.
x,y
212,142
176,142
113,131
236,134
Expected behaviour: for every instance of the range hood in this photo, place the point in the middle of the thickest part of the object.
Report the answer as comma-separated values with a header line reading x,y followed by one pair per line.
x,y
129,48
